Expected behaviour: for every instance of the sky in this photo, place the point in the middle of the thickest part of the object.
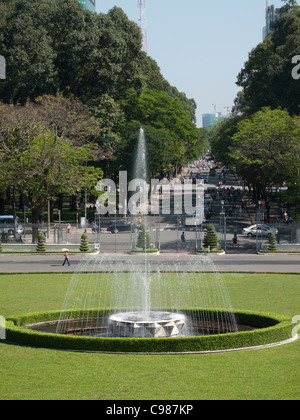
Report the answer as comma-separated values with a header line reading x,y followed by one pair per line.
x,y
200,45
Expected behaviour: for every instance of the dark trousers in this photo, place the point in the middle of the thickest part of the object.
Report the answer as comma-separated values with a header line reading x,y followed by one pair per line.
x,y
67,260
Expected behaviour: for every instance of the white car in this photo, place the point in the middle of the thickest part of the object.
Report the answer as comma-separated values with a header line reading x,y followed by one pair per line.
x,y
263,230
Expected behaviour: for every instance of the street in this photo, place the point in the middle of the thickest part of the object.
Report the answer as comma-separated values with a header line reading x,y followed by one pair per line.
x,y
32,263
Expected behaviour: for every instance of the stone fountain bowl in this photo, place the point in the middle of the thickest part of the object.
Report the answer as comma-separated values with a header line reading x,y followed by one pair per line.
x,y
146,324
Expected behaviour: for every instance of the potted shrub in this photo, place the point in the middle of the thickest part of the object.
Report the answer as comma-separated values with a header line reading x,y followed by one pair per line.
x,y
41,246
84,245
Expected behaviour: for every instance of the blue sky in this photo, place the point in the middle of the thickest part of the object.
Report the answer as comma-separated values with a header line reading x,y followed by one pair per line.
x,y
200,45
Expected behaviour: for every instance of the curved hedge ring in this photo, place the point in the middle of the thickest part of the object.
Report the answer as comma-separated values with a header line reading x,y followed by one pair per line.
x,y
273,329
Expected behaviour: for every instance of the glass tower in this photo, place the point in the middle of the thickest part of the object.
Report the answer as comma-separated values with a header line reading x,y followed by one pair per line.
x,y
89,5
272,14
209,120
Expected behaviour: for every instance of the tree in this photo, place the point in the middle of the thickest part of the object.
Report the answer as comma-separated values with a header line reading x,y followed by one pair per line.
x,y
109,117
266,78
84,245
160,156
266,149
210,238
272,243
222,141
162,112
144,238
41,247
80,54
41,158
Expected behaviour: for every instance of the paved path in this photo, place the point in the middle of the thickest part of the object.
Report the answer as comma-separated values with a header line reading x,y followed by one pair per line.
x,y
10,263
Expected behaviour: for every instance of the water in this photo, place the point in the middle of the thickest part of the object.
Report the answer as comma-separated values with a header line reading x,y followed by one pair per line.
x,y
140,290
140,165
101,284
141,285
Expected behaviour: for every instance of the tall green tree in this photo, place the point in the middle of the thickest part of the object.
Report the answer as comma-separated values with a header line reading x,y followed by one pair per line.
x,y
161,111
160,156
43,158
266,149
57,46
266,79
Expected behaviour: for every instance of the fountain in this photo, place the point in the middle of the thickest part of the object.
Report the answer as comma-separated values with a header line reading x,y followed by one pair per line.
x,y
141,318
136,304
146,324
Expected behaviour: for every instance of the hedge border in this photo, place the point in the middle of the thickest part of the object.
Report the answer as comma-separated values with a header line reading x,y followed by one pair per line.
x,y
273,328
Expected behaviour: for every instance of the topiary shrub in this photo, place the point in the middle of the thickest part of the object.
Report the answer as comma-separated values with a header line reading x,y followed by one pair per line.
x,y
210,238
41,246
84,245
144,238
271,328
272,243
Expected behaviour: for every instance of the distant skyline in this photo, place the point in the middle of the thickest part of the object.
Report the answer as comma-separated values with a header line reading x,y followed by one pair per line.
x,y
200,46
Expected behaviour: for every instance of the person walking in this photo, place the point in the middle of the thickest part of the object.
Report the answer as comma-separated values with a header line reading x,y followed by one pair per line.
x,y
67,258
235,240
183,240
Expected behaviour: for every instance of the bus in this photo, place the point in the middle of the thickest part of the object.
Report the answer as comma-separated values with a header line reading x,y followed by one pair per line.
x,y
7,225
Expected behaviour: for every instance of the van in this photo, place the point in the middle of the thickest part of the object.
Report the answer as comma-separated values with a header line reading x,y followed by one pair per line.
x,y
7,225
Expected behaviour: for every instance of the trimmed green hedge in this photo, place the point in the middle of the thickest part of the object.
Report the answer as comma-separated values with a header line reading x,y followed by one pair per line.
x,y
272,329
145,251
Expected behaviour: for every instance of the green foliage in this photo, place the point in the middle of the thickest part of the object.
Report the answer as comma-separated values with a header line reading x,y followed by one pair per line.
x,y
172,138
41,246
82,54
84,245
1,247
266,78
273,328
98,59
266,148
210,238
272,243
262,148
144,238
44,150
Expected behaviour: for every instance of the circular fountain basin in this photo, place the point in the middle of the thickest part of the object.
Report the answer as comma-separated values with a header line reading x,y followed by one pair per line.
x,y
255,330
146,324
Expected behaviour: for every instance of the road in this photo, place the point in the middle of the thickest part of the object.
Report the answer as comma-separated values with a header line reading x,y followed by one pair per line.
x,y
10,263
166,229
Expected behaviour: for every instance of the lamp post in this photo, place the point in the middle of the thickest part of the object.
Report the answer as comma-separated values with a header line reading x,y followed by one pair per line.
x,y
223,226
259,220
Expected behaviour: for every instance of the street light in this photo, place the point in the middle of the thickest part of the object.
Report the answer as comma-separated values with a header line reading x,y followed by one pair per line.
x,y
259,221
223,227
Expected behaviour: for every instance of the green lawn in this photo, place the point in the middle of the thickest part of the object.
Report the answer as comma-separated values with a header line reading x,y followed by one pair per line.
x,y
29,373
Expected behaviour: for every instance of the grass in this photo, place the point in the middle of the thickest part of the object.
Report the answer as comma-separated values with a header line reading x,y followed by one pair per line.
x,y
40,374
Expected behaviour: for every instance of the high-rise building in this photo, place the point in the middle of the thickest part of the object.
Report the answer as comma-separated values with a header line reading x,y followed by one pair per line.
x,y
209,120
272,14
89,5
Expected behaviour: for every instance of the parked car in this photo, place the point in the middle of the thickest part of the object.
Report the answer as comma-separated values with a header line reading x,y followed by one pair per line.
x,y
7,225
122,226
263,230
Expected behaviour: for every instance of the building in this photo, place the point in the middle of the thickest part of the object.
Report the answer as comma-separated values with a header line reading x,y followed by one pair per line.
x,y
209,120
89,5
272,15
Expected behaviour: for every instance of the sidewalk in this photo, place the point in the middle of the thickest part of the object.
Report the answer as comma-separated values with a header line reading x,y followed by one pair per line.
x,y
163,263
